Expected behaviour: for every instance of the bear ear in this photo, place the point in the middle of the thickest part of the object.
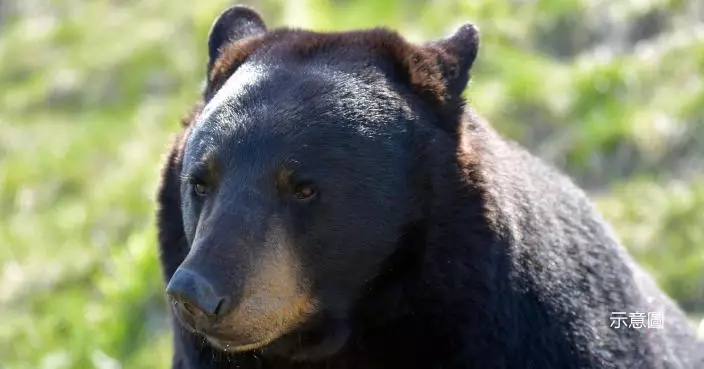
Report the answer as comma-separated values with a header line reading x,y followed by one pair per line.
x,y
233,24
456,55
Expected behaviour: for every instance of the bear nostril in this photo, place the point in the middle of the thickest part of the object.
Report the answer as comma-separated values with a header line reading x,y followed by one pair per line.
x,y
186,314
222,306
192,310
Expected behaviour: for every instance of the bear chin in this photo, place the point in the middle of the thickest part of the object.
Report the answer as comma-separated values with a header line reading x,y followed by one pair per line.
x,y
313,343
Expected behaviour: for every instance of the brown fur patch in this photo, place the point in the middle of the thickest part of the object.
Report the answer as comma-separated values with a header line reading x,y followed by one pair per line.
x,y
472,159
179,145
187,123
231,57
192,114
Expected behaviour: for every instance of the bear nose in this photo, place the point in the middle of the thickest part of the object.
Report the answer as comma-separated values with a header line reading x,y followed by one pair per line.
x,y
196,300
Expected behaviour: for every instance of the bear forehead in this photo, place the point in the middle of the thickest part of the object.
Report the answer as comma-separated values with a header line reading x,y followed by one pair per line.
x,y
298,104
347,69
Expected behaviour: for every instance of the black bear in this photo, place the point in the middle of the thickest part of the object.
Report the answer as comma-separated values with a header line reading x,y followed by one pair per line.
x,y
333,202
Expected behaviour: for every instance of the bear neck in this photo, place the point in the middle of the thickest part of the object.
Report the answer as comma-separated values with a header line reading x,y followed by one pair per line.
x,y
450,265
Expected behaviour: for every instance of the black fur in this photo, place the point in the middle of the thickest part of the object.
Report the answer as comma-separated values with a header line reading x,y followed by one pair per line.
x,y
434,242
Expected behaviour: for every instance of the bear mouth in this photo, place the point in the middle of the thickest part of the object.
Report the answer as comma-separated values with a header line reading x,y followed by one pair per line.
x,y
230,345
310,344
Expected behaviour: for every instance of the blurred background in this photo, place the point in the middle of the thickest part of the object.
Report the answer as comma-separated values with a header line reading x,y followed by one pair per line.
x,y
610,91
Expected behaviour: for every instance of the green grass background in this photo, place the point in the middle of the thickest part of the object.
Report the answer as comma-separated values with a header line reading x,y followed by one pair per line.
x,y
91,92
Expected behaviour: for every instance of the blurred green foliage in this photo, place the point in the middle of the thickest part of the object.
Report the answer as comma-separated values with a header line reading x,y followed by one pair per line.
x,y
609,91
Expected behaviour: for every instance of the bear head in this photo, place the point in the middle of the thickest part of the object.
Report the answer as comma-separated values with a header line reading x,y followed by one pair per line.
x,y
302,172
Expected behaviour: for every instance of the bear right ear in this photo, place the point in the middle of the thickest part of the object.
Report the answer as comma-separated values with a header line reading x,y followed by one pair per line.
x,y
457,56
231,25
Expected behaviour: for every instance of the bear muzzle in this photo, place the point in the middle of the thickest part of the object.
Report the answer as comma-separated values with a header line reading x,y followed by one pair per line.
x,y
253,319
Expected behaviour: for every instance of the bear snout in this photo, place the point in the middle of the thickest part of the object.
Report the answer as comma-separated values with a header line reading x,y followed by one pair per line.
x,y
196,302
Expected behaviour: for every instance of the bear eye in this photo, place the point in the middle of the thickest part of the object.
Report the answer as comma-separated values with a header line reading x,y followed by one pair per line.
x,y
305,192
200,189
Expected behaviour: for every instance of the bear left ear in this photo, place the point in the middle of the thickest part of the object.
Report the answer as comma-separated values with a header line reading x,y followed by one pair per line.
x,y
456,55
231,25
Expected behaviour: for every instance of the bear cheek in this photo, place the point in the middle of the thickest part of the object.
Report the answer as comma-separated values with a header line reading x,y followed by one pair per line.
x,y
189,216
189,225
340,265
